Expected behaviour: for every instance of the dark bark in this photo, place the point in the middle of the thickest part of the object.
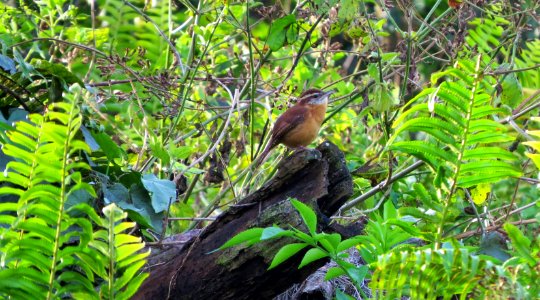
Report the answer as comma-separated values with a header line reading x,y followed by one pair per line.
x,y
318,178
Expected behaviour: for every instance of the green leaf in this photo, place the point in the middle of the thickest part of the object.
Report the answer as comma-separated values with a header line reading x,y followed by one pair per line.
x,y
292,34
285,253
485,152
162,192
252,234
346,244
348,10
274,232
307,214
311,256
330,241
512,91
278,33
333,273
132,287
521,243
108,146
57,70
383,98
179,152
427,152
340,295
358,274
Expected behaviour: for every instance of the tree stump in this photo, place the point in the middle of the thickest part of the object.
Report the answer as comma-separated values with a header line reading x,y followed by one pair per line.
x,y
317,177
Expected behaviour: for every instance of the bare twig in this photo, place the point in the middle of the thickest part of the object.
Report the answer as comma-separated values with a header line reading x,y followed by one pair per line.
x,y
234,98
492,228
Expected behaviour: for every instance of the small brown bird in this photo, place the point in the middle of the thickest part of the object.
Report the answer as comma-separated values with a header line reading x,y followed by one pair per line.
x,y
299,125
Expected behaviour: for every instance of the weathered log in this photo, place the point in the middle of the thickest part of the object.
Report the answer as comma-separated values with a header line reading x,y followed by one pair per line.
x,y
318,178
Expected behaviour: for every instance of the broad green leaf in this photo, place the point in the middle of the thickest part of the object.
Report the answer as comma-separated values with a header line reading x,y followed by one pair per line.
x,y
278,32
521,243
340,295
108,146
179,152
307,214
162,192
123,252
285,253
358,273
333,273
346,244
245,236
274,232
312,255
333,239
128,274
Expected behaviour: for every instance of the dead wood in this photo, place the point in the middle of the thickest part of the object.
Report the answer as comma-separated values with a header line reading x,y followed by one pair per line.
x,y
318,178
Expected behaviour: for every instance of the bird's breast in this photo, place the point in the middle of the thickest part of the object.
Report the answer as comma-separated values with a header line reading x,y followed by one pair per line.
x,y
307,131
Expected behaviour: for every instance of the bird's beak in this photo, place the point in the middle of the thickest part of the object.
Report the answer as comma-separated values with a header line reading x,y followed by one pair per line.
x,y
327,94
323,98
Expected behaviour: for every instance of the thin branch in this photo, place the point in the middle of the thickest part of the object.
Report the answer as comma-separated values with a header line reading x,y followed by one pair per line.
x,y
381,186
301,52
235,98
501,72
492,228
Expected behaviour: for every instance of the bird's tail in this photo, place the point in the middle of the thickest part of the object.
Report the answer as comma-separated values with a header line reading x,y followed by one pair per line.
x,y
262,157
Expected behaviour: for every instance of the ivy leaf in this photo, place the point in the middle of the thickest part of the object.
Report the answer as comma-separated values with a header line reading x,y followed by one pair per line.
x,y
163,192
278,32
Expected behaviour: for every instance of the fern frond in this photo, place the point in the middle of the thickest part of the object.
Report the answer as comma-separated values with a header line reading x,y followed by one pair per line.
x,y
463,135
486,33
529,57
38,233
429,274
123,253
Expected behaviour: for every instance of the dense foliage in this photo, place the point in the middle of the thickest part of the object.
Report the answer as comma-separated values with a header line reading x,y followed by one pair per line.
x,y
147,116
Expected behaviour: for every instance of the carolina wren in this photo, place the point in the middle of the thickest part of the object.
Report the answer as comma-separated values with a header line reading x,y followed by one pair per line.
x,y
299,125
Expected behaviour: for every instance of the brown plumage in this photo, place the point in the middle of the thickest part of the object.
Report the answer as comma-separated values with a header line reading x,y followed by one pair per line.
x,y
299,125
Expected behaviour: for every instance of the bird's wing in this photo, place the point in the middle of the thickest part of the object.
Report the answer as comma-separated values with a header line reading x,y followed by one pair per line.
x,y
287,122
